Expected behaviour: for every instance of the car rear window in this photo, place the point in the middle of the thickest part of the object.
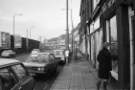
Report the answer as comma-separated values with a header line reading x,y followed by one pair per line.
x,y
42,58
19,70
58,52
7,78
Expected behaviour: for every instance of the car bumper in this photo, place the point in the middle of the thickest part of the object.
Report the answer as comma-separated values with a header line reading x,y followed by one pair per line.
x,y
35,72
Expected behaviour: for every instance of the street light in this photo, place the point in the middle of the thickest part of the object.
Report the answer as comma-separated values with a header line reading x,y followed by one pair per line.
x,y
31,27
17,14
67,31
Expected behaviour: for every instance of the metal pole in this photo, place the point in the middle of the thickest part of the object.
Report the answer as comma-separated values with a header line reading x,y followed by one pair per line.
x,y
27,41
30,32
72,35
13,32
67,31
13,25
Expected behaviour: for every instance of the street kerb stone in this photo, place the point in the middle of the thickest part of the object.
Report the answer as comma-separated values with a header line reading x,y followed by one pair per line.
x,y
59,89
76,89
91,89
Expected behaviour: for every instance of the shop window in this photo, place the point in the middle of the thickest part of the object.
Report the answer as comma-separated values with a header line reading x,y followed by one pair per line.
x,y
113,29
92,48
107,31
111,36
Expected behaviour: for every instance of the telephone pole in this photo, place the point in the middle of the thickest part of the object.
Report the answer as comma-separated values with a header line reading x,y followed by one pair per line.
x,y
67,29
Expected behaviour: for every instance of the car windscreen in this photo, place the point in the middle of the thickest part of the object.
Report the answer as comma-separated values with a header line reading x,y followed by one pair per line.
x,y
7,51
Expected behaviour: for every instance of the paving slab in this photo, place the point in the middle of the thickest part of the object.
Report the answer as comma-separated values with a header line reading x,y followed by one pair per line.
x,y
75,76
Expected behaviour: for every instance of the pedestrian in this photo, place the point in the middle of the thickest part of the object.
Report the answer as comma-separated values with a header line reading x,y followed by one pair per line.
x,y
70,56
67,55
105,66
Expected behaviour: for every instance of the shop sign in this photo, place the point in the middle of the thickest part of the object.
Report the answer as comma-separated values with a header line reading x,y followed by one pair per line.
x,y
95,3
108,5
104,7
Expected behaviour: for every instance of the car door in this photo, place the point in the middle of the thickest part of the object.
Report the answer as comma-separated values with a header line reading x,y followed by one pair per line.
x,y
26,82
8,79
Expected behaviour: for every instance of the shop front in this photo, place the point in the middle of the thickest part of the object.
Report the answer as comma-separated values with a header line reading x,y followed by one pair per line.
x,y
96,36
113,21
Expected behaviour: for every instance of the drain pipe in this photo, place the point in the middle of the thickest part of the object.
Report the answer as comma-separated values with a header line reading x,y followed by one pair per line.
x,y
131,14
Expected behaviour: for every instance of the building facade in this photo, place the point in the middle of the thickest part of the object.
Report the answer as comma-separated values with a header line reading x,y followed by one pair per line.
x,y
112,21
75,40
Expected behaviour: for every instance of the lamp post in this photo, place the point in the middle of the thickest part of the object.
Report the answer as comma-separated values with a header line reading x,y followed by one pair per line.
x,y
27,41
31,27
14,16
67,29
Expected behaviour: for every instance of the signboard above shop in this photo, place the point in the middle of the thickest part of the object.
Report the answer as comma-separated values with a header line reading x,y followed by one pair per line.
x,y
95,3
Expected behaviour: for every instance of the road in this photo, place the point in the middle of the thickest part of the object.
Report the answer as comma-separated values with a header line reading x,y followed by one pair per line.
x,y
42,82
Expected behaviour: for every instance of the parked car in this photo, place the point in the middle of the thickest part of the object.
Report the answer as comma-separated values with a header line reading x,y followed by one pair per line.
x,y
59,54
14,76
34,53
8,53
45,64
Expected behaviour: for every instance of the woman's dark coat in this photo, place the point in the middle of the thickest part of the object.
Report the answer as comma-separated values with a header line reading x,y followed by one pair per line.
x,y
105,65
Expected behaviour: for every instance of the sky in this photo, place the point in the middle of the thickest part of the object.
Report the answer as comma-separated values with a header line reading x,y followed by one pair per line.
x,y
41,18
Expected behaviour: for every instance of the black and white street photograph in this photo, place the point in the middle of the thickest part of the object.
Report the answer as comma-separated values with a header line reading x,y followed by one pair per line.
x,y
67,44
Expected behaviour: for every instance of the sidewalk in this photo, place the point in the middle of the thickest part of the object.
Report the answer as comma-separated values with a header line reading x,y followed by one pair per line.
x,y
76,76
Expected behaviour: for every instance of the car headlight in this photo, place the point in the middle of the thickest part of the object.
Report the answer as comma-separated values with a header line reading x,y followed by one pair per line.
x,y
41,69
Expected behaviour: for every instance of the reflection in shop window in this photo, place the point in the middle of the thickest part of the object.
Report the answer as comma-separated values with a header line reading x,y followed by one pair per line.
x,y
113,29
107,31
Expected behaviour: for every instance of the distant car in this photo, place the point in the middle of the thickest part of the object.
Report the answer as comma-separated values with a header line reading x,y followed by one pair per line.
x,y
8,53
59,54
35,53
44,64
14,76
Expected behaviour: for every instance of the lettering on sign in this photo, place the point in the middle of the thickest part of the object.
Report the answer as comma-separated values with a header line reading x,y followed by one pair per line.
x,y
110,3
104,7
107,5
